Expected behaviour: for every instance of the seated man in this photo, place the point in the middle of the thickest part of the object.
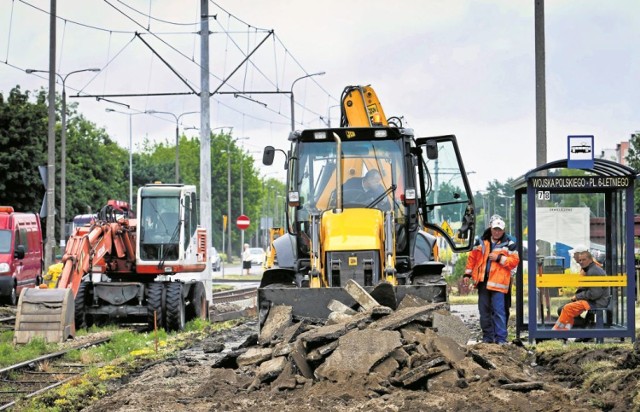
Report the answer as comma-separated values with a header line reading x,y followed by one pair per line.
x,y
585,297
374,189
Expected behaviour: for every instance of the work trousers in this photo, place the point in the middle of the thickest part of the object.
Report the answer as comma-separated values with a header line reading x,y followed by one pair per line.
x,y
493,317
569,312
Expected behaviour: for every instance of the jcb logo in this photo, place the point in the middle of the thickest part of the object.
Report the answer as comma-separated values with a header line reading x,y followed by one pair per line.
x,y
350,134
372,109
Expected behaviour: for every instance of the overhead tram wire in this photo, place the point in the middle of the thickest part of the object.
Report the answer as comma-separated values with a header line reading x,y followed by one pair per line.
x,y
156,35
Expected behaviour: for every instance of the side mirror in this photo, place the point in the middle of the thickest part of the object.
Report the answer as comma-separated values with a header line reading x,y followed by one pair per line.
x,y
268,155
19,252
432,149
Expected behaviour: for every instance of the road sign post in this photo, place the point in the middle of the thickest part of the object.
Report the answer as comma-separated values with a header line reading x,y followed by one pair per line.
x,y
243,222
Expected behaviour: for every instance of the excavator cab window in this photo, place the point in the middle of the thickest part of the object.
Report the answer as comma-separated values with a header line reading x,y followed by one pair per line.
x,y
160,230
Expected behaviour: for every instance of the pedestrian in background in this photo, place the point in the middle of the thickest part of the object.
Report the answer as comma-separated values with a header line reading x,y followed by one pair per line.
x,y
490,264
246,259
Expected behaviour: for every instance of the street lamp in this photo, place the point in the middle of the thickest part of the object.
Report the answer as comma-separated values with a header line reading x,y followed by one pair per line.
x,y
508,208
177,119
63,147
293,118
228,251
130,153
228,151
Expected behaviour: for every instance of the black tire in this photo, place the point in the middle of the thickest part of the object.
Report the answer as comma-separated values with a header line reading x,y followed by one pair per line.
x,y
154,294
197,307
176,317
12,299
80,306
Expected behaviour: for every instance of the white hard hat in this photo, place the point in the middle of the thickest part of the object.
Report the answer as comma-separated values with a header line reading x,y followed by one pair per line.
x,y
580,248
499,223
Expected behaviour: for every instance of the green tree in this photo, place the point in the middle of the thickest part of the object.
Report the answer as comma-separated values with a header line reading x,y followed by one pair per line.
x,y
23,138
633,159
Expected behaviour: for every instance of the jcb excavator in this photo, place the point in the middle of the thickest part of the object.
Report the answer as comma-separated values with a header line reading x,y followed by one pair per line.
x,y
150,269
338,228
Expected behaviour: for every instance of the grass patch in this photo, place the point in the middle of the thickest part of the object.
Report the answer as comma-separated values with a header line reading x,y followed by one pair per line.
x,y
463,300
10,353
221,288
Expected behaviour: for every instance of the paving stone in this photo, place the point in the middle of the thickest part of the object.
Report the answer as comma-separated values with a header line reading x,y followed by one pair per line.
x,y
324,333
337,306
411,301
403,316
254,356
338,317
286,379
278,320
358,352
283,349
387,368
452,326
360,295
299,358
271,369
322,352
449,348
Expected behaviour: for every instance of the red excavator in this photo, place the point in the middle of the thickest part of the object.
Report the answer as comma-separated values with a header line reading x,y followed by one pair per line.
x,y
145,269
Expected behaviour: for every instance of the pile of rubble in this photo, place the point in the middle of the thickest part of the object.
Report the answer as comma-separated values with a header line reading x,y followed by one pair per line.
x,y
418,345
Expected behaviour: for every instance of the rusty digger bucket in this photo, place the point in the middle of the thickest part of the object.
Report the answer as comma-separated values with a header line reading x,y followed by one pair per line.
x,y
45,313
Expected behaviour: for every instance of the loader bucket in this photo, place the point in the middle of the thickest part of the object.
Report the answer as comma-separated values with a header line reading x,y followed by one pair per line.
x,y
311,303
45,313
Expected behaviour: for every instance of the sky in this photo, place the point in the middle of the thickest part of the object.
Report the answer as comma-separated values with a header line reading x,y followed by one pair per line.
x,y
463,67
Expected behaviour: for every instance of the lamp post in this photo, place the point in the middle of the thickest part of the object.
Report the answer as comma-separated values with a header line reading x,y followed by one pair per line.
x,y
110,110
508,208
228,250
293,118
63,147
228,151
177,119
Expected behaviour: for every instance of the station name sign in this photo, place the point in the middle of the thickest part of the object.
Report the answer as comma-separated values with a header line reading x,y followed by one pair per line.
x,y
581,182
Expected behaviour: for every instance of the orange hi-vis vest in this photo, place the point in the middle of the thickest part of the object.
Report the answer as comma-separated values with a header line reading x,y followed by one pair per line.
x,y
500,271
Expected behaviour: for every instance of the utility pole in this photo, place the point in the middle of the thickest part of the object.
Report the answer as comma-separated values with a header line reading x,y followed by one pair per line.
x,y
63,148
205,131
541,95
51,143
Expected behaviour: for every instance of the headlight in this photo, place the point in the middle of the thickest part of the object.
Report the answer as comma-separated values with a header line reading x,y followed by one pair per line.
x,y
4,268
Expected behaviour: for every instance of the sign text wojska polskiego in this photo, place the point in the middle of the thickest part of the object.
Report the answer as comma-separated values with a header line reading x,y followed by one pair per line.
x,y
580,182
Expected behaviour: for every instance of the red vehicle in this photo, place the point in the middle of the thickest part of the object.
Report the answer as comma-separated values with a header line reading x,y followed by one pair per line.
x,y
21,253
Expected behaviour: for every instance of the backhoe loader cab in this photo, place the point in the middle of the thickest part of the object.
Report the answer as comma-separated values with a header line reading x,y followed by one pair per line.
x,y
368,204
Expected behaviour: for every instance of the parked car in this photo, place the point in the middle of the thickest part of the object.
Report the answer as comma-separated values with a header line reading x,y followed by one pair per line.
x,y
215,260
257,256
21,253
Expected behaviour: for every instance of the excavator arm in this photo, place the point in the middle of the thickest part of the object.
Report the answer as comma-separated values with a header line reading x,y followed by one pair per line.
x,y
88,247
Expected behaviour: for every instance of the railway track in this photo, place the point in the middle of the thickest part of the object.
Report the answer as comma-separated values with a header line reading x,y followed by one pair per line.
x,y
233,304
7,323
35,376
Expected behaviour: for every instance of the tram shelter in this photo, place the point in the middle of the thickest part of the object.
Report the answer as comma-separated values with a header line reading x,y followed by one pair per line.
x,y
554,205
